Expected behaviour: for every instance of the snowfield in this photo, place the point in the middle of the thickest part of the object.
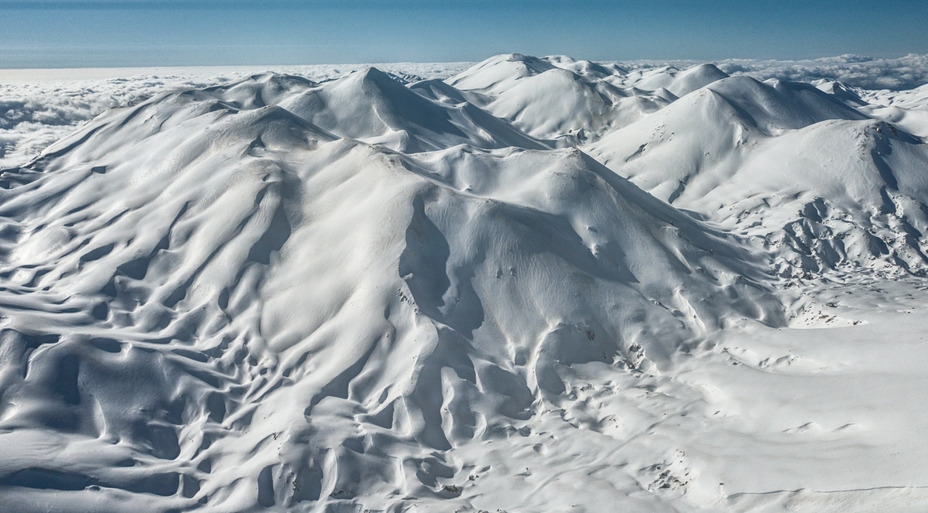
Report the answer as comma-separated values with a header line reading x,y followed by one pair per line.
x,y
524,285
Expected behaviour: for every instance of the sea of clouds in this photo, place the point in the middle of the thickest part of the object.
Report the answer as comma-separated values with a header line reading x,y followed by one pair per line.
x,y
853,70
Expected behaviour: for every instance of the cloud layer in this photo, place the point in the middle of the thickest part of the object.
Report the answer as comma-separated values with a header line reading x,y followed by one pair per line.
x,y
854,70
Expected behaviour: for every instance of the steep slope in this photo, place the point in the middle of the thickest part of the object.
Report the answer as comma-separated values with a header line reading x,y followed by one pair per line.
x,y
310,322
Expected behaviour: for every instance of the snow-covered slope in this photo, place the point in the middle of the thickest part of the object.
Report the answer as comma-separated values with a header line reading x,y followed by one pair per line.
x,y
549,100
790,164
286,278
906,109
38,107
541,284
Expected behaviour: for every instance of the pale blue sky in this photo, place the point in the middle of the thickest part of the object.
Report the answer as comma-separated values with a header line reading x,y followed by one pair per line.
x,y
81,33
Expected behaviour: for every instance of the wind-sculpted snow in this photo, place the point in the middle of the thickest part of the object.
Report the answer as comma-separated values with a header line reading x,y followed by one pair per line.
x,y
539,284
280,315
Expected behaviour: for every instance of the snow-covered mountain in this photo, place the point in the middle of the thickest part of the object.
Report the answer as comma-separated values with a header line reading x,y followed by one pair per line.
x,y
558,99
530,286
787,163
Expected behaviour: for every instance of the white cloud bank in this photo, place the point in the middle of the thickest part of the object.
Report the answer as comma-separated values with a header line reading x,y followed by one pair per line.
x,y
854,70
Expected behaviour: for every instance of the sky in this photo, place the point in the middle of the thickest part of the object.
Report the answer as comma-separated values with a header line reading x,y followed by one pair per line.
x,y
114,33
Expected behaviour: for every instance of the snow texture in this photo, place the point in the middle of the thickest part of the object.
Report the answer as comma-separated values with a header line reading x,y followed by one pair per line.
x,y
524,285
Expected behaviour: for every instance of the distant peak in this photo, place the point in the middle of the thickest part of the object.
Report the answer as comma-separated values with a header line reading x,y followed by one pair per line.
x,y
706,71
370,72
533,63
710,68
375,77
